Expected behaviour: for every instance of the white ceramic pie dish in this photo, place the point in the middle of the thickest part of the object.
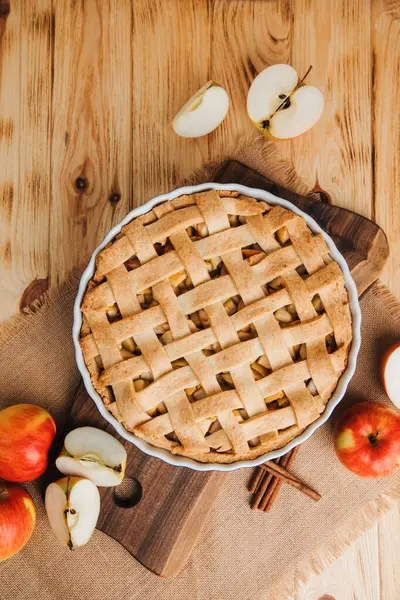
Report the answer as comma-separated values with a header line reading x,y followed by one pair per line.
x,y
183,461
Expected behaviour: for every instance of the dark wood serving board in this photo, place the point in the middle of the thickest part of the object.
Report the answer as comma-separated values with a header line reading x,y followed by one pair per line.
x,y
161,529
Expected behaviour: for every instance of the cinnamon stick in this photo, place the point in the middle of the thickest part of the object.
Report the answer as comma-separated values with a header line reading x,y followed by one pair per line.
x,y
291,480
277,470
272,486
261,488
273,496
255,480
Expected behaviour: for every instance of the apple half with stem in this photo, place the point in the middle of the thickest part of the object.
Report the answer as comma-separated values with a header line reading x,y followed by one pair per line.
x,y
280,106
94,454
72,506
390,373
205,110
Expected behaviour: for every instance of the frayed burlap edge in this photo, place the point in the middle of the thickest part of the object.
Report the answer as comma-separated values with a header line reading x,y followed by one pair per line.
x,y
261,155
18,324
323,556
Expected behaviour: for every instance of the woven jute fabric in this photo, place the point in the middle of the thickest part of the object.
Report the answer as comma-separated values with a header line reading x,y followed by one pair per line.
x,y
241,553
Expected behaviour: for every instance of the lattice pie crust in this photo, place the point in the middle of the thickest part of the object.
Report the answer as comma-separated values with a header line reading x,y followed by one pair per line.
x,y
216,326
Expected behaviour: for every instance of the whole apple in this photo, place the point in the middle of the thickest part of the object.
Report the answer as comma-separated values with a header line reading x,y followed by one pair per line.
x,y
27,432
17,519
367,440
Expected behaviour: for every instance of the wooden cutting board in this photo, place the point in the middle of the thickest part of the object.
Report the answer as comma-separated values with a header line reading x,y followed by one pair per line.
x,y
158,512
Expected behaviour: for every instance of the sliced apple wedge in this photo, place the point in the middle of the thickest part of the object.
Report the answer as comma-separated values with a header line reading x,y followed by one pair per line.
x,y
94,454
280,106
205,110
390,373
72,506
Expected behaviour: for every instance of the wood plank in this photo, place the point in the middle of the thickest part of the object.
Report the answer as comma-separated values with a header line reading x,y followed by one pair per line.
x,y
91,148
386,128
388,544
354,576
334,37
171,53
25,105
247,37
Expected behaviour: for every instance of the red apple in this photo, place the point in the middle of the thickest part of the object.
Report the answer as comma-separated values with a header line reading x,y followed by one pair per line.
x,y
367,440
27,432
17,519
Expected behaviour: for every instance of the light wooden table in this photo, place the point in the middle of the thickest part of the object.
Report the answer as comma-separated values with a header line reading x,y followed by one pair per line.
x,y
87,90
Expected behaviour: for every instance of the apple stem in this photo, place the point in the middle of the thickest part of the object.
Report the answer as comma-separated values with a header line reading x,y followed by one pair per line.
x,y
373,438
304,77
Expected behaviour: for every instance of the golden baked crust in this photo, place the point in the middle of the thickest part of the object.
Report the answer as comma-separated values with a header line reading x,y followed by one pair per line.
x,y
216,326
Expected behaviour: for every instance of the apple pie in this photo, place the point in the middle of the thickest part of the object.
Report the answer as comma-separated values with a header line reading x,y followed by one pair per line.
x,y
216,326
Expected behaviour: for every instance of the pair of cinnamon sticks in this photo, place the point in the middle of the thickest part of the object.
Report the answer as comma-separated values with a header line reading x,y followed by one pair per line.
x,y
268,479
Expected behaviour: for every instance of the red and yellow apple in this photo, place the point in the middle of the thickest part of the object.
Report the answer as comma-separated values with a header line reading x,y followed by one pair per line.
x,y
17,519
27,432
367,440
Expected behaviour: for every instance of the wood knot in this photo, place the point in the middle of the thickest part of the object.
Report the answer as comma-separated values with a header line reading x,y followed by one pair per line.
x,y
31,295
81,183
5,8
115,198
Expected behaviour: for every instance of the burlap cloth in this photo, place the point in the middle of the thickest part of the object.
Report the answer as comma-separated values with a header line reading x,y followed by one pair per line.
x,y
241,554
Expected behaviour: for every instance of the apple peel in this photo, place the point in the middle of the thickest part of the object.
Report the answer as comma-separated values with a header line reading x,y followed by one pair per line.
x,y
17,519
367,439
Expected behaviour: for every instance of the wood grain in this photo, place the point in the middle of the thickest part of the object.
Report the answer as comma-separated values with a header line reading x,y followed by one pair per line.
x,y
337,154
25,102
238,53
91,128
171,56
386,131
104,79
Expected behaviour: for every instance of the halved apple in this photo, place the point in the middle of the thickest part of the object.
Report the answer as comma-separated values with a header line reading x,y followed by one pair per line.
x,y
205,110
281,107
72,506
390,373
94,454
